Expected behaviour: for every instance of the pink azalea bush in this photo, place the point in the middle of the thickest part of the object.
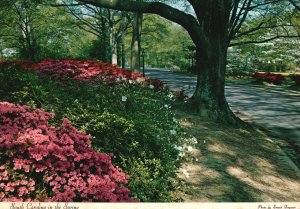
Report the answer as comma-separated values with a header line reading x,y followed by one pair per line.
x,y
87,70
39,162
276,79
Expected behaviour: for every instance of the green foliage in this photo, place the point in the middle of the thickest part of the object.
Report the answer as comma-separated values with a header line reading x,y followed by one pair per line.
x,y
239,65
165,44
266,49
137,131
99,50
36,30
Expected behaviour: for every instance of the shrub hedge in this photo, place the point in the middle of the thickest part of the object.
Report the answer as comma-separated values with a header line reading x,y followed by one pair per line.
x,y
132,121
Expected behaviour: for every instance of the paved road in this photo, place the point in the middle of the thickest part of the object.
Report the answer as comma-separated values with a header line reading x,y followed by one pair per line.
x,y
275,110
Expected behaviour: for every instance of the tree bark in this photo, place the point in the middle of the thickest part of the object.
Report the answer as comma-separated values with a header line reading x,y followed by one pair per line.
x,y
136,43
29,50
114,59
123,49
123,43
211,59
104,46
209,97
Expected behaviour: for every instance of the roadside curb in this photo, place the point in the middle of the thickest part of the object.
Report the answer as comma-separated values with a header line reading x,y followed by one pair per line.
x,y
276,139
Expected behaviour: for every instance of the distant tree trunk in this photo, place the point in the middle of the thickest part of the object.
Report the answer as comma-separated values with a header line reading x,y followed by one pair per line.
x,y
112,40
104,47
136,42
113,46
115,55
123,43
123,50
29,50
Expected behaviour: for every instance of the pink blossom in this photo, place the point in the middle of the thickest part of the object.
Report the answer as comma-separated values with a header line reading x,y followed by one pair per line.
x,y
22,190
64,165
89,71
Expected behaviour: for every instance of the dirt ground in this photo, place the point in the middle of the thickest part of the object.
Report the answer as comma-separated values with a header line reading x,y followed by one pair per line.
x,y
225,164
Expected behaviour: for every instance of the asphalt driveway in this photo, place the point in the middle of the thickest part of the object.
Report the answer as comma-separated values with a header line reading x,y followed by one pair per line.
x,y
278,111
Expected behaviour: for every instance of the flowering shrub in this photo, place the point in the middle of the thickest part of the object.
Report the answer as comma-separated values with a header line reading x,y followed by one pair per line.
x,y
87,70
276,79
43,163
296,78
128,120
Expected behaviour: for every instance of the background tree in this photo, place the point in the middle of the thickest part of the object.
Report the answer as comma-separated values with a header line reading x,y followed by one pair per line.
x,y
19,26
156,35
135,47
266,42
107,25
212,27
35,29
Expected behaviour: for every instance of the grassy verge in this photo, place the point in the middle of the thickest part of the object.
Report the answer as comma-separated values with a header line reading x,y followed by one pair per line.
x,y
228,164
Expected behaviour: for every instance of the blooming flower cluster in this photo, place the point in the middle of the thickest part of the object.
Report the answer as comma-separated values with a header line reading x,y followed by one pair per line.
x,y
296,78
39,162
276,79
87,70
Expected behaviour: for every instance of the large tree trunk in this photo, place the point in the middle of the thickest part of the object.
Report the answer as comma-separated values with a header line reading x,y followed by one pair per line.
x,y
209,32
211,58
136,43
209,97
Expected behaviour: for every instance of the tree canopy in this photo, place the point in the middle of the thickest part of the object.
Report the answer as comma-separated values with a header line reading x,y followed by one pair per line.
x,y
211,28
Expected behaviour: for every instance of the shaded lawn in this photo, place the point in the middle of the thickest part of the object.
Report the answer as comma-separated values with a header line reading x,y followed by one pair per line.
x,y
233,165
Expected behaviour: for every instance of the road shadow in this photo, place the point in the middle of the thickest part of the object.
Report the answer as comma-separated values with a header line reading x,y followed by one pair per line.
x,y
278,111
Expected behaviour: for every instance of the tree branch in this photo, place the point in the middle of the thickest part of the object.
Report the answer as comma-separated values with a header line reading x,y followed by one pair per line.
x,y
239,19
185,20
65,5
260,27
